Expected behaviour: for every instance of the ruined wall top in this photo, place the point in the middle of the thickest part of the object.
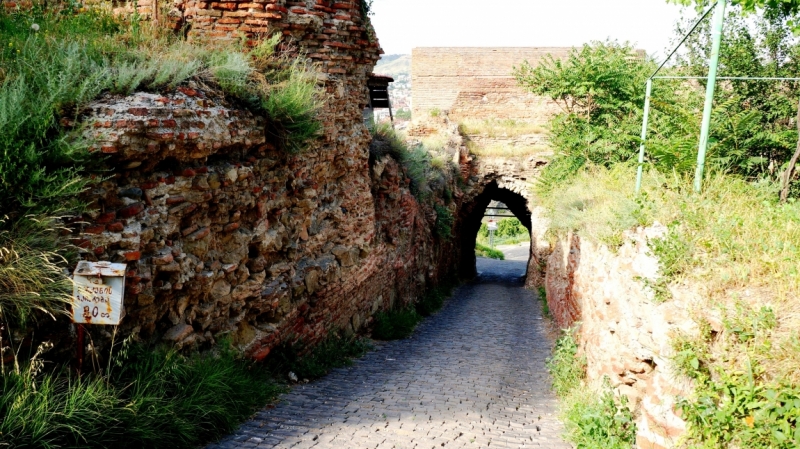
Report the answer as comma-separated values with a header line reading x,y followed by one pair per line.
x,y
477,82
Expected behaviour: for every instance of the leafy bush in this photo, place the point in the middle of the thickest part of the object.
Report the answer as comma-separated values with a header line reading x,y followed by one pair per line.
x,y
158,398
396,324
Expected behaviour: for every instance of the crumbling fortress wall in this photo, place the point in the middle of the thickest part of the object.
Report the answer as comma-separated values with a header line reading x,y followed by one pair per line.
x,y
225,234
478,83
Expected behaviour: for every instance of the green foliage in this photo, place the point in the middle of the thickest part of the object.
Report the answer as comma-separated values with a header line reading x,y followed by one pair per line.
x,y
593,421
600,89
601,423
396,324
33,259
434,300
542,296
403,114
314,362
510,227
157,398
485,251
566,367
444,222
783,7
742,405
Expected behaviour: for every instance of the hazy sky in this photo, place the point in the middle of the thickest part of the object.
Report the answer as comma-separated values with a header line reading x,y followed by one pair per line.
x,y
404,24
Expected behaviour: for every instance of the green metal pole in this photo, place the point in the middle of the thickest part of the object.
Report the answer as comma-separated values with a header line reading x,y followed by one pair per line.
x,y
719,16
645,119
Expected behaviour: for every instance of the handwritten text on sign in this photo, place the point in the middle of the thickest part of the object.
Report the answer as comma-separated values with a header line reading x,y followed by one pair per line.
x,y
97,295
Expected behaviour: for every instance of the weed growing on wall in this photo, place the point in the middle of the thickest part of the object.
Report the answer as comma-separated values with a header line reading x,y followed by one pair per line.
x,y
424,163
444,222
737,402
594,421
50,71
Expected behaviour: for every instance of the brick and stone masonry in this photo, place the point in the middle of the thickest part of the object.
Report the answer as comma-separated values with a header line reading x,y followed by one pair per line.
x,y
477,82
225,234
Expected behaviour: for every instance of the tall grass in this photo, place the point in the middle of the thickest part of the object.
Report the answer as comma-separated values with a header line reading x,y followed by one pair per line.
x,y
32,264
157,398
426,164
47,76
737,246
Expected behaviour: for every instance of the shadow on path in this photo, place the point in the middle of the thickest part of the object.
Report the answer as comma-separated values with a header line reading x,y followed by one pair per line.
x,y
472,375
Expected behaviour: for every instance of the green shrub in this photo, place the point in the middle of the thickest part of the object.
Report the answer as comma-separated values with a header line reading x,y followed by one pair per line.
x,y
156,398
485,251
396,324
312,363
600,423
542,296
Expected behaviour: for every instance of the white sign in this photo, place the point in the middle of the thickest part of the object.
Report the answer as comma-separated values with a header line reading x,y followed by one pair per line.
x,y
98,288
492,225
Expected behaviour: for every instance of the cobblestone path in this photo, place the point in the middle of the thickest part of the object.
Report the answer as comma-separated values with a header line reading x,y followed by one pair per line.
x,y
471,376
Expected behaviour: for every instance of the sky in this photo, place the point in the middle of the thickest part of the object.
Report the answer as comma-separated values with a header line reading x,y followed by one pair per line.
x,y
404,24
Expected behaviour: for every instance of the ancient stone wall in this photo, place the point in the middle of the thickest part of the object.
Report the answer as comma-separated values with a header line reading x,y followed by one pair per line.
x,y
226,234
623,332
478,83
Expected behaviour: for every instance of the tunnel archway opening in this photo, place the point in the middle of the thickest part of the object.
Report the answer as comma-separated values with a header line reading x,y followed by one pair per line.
x,y
473,216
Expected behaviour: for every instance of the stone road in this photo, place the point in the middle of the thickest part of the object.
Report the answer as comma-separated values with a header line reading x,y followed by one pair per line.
x,y
471,376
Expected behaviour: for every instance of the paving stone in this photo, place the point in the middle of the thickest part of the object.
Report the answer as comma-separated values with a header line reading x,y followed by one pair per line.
x,y
471,376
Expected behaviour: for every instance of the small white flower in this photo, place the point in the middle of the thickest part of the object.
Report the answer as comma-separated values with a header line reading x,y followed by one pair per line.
x,y
35,27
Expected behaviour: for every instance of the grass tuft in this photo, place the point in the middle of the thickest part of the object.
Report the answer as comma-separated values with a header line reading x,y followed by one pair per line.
x,y
396,324
485,251
312,363
156,398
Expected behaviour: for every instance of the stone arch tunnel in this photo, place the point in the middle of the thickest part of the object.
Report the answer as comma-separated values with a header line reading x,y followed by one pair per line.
x,y
473,213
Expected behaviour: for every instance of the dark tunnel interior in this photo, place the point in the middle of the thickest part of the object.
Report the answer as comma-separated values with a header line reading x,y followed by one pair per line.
x,y
471,221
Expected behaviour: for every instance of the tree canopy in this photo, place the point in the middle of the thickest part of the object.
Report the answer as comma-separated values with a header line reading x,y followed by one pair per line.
x,y
783,7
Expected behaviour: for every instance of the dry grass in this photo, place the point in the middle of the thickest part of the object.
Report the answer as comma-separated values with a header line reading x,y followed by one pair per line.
x,y
500,128
499,150
734,242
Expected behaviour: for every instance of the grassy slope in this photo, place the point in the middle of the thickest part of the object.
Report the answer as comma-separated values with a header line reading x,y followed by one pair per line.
x,y
739,248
